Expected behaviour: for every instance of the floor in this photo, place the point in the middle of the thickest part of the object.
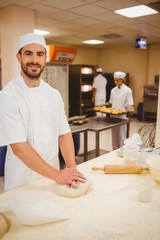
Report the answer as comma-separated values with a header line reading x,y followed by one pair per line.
x,y
105,140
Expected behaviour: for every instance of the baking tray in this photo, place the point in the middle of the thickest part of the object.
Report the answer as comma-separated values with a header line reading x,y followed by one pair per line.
x,y
110,111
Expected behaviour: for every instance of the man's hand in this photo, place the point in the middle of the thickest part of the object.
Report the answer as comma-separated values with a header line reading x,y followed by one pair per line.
x,y
70,176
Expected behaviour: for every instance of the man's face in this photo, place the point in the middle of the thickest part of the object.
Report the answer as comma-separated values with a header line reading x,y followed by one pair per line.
x,y
118,81
32,59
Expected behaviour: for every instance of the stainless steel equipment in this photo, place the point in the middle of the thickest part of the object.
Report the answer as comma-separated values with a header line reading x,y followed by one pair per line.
x,y
150,101
56,75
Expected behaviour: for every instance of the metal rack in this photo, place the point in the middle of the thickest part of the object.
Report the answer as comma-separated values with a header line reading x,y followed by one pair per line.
x,y
80,90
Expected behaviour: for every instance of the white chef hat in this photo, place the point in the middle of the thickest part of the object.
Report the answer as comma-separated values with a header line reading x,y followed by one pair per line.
x,y
31,38
119,75
99,70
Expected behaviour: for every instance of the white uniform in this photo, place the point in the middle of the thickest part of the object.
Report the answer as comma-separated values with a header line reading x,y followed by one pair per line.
x,y
35,115
120,99
99,83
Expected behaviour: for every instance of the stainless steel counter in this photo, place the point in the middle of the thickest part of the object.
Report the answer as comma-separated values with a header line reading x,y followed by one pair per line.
x,y
97,125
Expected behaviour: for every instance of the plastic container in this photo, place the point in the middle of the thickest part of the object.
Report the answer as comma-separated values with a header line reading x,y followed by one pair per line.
x,y
130,154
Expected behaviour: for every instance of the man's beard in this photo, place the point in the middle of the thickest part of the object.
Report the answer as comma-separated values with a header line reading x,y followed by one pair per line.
x,y
32,76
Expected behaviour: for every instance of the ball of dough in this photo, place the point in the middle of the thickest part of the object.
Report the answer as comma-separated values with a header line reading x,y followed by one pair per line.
x,y
67,191
4,225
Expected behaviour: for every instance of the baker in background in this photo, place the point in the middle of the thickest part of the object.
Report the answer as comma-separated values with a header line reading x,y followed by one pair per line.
x,y
120,98
33,124
99,89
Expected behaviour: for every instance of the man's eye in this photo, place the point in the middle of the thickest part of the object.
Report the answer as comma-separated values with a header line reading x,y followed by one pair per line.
x,y
28,53
40,54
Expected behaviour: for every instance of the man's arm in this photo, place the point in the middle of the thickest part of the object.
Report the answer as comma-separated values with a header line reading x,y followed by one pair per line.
x,y
67,149
68,153
33,160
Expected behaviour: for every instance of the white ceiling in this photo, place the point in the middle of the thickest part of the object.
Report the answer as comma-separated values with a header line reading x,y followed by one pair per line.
x,y
72,21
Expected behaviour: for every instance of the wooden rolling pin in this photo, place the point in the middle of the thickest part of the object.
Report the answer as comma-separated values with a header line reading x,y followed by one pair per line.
x,y
121,168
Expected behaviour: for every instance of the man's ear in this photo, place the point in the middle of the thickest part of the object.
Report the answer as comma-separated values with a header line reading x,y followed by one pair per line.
x,y
18,57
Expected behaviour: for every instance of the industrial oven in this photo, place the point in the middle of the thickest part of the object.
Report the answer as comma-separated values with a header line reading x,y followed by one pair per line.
x,y
150,101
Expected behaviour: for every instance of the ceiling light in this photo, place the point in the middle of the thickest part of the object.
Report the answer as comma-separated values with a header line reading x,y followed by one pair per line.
x,y
137,11
93,42
40,32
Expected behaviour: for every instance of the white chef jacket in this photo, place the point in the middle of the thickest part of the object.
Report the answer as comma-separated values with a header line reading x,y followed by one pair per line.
x,y
120,99
100,82
35,115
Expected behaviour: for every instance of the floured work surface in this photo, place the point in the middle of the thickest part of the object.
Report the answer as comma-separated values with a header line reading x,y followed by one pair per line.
x,y
4,225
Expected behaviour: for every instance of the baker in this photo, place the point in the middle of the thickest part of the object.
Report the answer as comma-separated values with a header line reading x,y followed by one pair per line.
x,y
33,124
99,89
120,98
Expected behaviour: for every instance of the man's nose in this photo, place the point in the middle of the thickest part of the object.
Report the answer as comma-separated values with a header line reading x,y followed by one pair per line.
x,y
34,58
